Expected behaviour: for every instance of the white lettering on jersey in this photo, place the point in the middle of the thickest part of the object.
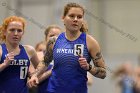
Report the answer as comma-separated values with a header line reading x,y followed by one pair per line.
x,y
19,62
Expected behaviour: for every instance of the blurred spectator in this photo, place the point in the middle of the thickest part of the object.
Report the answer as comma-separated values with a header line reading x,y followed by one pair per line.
x,y
40,49
137,80
124,76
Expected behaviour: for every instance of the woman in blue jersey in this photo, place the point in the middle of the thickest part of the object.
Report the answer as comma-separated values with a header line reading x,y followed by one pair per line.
x,y
51,31
14,57
72,52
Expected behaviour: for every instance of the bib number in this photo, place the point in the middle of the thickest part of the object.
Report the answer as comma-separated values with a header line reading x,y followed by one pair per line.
x,y
78,49
23,72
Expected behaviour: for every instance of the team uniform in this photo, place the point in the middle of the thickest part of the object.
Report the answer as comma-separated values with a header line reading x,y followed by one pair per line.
x,y
42,87
67,75
13,78
127,83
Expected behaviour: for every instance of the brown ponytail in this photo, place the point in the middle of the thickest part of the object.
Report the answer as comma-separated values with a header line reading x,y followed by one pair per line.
x,y
84,27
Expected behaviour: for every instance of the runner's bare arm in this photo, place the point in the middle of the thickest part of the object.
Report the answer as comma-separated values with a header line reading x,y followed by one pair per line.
x,y
49,51
99,69
48,57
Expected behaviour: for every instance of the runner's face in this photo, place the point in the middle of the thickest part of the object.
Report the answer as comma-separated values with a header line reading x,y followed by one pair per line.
x,y
14,32
53,32
73,19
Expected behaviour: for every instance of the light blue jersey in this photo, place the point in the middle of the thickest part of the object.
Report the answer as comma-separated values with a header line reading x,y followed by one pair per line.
x,y
13,79
127,84
67,75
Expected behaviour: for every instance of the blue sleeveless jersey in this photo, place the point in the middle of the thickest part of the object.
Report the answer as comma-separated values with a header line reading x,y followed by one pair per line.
x,y
67,75
13,78
42,87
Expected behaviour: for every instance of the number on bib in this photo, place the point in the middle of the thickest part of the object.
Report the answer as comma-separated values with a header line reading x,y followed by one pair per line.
x,y
78,49
23,72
